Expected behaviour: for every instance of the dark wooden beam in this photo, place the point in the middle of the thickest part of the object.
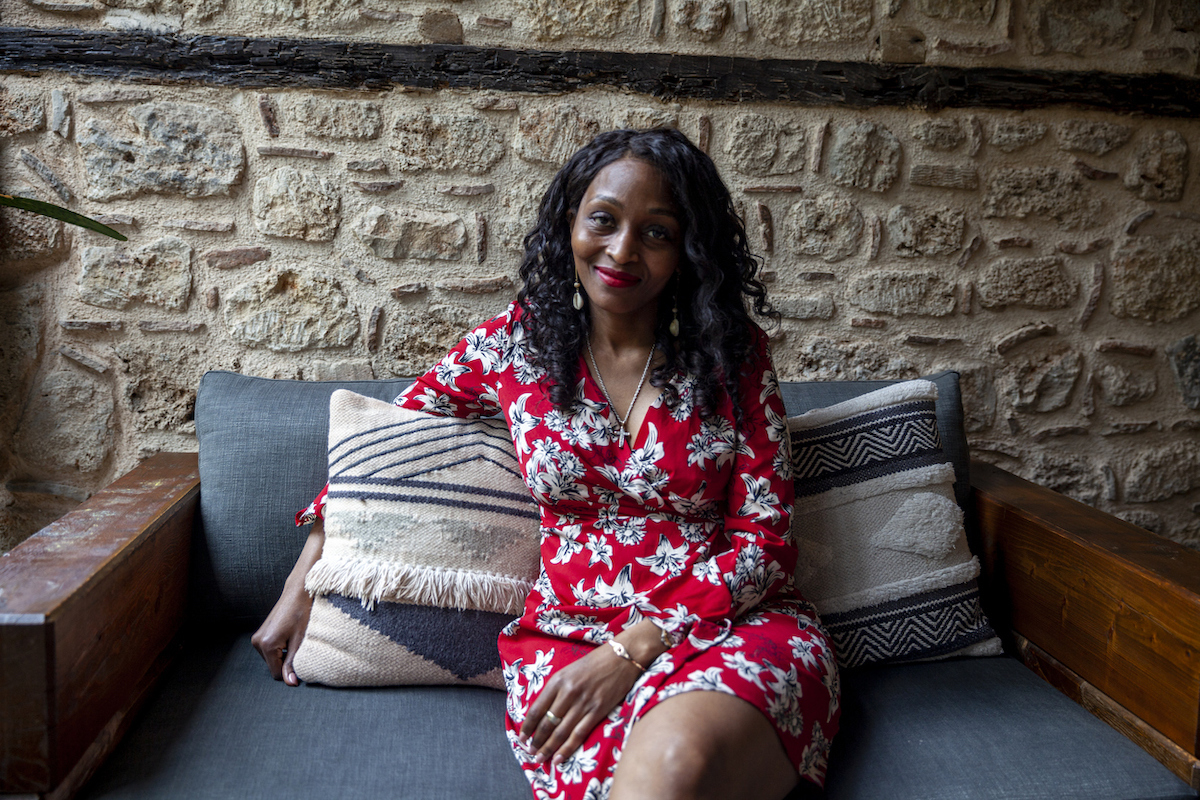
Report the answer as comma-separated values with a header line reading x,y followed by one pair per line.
x,y
320,63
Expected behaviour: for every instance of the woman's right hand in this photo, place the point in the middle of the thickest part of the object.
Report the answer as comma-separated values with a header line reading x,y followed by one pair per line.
x,y
279,637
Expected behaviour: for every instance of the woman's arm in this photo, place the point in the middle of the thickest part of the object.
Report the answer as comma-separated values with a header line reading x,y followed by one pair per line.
x,y
585,691
461,385
279,637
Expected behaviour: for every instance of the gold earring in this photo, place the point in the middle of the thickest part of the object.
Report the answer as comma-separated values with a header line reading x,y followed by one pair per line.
x,y
577,300
674,326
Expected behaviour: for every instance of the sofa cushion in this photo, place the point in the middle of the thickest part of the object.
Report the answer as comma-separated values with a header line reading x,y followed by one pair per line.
x,y
984,729
802,396
263,446
218,727
883,554
428,514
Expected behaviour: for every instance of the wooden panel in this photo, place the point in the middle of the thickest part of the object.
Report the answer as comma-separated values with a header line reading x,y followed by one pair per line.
x,y
1116,605
105,585
1169,754
24,701
321,63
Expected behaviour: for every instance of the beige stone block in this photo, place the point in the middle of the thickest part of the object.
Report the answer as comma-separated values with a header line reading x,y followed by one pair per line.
x,y
21,111
823,358
297,204
903,293
759,145
1011,135
1080,27
554,19
1027,282
159,274
341,119
178,148
1092,136
830,227
1124,387
1044,192
418,338
1160,167
553,135
1156,279
1162,472
412,233
290,310
792,22
446,142
939,134
1043,382
704,20
864,156
1075,476
817,306
918,232
977,11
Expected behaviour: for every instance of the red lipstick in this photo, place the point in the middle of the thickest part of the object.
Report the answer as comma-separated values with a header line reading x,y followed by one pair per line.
x,y
616,278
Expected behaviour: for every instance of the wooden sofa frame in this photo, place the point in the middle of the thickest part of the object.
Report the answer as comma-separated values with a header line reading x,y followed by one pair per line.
x,y
91,610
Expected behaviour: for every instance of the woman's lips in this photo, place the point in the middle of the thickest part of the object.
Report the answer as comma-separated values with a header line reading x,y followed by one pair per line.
x,y
616,278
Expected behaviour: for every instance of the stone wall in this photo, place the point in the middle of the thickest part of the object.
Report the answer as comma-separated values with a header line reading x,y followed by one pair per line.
x,y
1050,254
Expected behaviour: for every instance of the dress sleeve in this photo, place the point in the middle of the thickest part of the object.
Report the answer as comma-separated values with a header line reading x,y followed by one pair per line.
x,y
463,384
761,556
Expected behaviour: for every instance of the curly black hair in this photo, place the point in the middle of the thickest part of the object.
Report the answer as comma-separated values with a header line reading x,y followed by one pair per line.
x,y
716,279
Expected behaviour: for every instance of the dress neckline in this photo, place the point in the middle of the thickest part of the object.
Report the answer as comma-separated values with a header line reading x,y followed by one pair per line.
x,y
636,438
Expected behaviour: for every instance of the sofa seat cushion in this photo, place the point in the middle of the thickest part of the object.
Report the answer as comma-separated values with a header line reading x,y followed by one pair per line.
x,y
219,727
981,728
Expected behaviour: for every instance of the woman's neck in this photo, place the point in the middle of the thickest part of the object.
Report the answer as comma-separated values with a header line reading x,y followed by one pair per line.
x,y
614,334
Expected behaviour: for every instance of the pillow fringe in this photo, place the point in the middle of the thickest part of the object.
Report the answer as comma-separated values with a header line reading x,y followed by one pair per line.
x,y
372,581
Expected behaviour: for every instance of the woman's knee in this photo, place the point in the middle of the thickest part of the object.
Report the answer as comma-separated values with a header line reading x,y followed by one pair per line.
x,y
701,745
674,764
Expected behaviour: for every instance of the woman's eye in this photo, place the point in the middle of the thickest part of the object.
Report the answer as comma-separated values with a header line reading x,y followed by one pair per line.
x,y
659,234
602,219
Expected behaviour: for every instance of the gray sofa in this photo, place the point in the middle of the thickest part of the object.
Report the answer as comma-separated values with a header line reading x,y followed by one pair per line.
x,y
182,707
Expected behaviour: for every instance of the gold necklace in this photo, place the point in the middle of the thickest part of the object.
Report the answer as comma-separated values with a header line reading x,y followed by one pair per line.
x,y
603,388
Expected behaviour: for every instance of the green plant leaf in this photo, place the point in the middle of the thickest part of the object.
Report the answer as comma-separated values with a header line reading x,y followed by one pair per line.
x,y
58,212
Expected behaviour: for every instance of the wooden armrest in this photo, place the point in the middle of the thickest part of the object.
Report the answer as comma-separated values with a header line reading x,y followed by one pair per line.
x,y
1100,607
88,606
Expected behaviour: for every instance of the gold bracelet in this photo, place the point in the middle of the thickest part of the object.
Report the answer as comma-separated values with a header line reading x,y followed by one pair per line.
x,y
620,650
666,638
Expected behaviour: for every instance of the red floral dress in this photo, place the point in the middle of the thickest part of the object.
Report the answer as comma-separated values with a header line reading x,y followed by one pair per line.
x,y
687,525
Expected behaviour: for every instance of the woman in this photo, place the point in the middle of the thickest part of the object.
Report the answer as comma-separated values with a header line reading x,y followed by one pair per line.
x,y
646,415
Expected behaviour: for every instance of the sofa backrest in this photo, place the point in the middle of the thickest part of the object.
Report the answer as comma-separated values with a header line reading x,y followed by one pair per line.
x,y
263,449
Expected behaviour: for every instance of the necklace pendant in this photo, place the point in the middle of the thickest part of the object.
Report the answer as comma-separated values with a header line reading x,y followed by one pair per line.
x,y
621,437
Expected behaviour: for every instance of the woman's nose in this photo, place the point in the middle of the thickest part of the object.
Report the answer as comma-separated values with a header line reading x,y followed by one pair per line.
x,y
622,247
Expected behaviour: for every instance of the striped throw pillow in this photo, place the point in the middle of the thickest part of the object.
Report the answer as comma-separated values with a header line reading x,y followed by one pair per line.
x,y
883,553
431,545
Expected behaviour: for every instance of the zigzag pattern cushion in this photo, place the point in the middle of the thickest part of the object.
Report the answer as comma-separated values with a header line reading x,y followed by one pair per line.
x,y
431,544
883,553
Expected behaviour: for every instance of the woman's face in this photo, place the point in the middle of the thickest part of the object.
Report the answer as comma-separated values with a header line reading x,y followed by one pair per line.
x,y
626,236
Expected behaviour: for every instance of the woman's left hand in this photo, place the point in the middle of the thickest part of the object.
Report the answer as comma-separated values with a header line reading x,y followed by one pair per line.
x,y
583,693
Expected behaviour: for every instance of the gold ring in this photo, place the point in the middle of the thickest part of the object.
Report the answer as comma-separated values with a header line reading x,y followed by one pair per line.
x,y
554,718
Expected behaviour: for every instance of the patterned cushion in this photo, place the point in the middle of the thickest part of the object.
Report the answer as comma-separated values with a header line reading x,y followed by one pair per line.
x,y
883,554
431,544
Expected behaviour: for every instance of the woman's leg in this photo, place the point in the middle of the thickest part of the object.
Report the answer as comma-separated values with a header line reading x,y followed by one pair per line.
x,y
703,745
